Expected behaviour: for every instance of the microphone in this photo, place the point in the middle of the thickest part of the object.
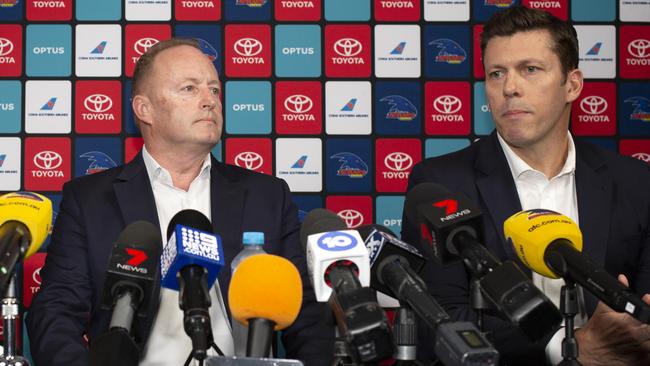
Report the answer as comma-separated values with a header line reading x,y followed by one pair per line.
x,y
190,263
550,244
450,225
265,293
131,281
25,222
339,269
457,343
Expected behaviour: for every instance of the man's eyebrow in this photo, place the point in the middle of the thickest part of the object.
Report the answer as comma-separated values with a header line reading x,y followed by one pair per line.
x,y
519,63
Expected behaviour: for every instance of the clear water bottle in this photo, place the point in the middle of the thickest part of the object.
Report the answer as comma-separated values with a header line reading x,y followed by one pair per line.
x,y
253,245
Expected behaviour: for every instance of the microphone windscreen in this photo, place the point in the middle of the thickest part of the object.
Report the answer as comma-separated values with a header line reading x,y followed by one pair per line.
x,y
32,210
191,218
142,234
266,286
421,193
366,230
320,220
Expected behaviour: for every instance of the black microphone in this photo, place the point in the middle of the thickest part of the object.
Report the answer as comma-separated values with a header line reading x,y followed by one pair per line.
x,y
392,262
132,277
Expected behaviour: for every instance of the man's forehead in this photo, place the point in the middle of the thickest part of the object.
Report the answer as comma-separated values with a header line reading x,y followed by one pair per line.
x,y
177,64
534,44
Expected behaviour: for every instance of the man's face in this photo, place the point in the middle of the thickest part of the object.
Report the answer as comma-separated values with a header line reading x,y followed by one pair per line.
x,y
526,88
183,92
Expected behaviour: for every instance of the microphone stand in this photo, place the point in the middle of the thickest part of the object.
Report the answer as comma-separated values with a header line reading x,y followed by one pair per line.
x,y
9,315
342,354
569,309
479,303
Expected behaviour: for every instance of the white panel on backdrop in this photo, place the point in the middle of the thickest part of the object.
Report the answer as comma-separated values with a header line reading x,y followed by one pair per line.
x,y
98,50
300,163
597,51
10,163
446,11
397,51
634,10
48,106
148,10
348,108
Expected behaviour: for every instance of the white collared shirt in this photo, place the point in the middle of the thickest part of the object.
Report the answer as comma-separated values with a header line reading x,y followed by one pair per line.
x,y
556,194
168,343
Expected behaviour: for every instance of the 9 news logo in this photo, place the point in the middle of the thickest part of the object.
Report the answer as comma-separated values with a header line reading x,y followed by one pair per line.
x,y
200,244
337,241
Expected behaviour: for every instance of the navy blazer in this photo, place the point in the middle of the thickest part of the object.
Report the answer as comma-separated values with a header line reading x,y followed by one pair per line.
x,y
96,208
614,216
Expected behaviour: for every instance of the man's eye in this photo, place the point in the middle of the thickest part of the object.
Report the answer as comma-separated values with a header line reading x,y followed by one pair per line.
x,y
531,69
188,88
215,91
496,74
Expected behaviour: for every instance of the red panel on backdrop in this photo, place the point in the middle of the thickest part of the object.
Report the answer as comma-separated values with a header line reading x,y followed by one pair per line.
x,y
11,50
354,210
98,106
253,154
138,39
298,107
47,163
394,160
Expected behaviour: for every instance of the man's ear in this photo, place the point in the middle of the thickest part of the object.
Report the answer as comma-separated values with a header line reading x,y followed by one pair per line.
x,y
574,84
142,108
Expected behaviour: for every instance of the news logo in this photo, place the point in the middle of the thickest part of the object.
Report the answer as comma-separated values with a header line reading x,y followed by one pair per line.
x,y
336,241
248,50
48,50
397,10
297,51
397,51
250,153
49,9
138,38
299,162
47,163
10,106
484,9
302,10
201,244
48,106
98,50
394,159
96,154
298,107
197,9
446,51
348,108
634,109
398,108
347,51
347,165
345,10
10,163
597,50
446,11
634,51
355,211
11,50
447,108
558,8
258,10
147,10
594,113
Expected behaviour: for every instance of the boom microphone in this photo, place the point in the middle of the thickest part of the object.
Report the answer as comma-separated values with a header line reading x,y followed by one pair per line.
x,y
265,293
25,222
550,244
451,226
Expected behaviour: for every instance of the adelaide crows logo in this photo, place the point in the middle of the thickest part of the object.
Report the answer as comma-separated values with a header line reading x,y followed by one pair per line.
x,y
400,108
98,161
351,165
449,51
641,108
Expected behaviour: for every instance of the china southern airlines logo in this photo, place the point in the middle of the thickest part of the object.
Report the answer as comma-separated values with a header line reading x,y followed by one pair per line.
x,y
399,49
349,106
641,108
593,51
400,108
49,105
449,51
2,159
99,49
98,161
300,163
351,165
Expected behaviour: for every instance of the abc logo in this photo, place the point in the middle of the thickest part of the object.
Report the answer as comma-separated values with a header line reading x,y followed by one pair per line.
x,y
336,241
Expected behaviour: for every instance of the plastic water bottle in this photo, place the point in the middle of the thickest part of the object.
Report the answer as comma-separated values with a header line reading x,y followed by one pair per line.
x,y
253,245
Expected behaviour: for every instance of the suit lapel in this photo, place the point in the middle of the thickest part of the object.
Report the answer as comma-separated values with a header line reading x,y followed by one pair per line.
x,y
497,189
227,200
594,191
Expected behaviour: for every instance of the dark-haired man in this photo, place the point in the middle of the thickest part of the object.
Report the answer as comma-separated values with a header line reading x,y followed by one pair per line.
x,y
531,161
176,102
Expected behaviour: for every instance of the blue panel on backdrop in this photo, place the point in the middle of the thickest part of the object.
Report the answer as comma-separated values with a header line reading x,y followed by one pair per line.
x,y
209,37
306,204
96,154
447,51
634,109
258,10
348,165
398,109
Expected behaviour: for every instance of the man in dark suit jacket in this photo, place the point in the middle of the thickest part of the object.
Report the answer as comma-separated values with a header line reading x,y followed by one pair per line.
x,y
176,79
531,59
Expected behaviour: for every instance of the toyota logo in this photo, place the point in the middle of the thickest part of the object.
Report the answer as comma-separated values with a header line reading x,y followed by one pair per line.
x,y
5,47
98,103
642,156
143,44
249,160
298,103
352,218
398,161
248,47
48,160
639,48
593,104
36,276
447,104
348,47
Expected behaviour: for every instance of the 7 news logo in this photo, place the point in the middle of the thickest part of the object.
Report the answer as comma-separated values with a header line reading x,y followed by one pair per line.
x,y
451,209
136,258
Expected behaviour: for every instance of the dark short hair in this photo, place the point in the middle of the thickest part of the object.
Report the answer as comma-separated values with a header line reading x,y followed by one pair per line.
x,y
144,64
522,19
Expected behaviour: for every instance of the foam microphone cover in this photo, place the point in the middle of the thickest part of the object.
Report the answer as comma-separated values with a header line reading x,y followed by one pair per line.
x,y
191,218
266,286
32,210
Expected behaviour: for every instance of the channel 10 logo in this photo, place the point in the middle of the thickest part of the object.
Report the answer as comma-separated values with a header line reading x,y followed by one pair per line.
x,y
337,241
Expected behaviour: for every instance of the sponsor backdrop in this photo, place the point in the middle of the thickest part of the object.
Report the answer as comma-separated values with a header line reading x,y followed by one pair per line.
x,y
340,98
